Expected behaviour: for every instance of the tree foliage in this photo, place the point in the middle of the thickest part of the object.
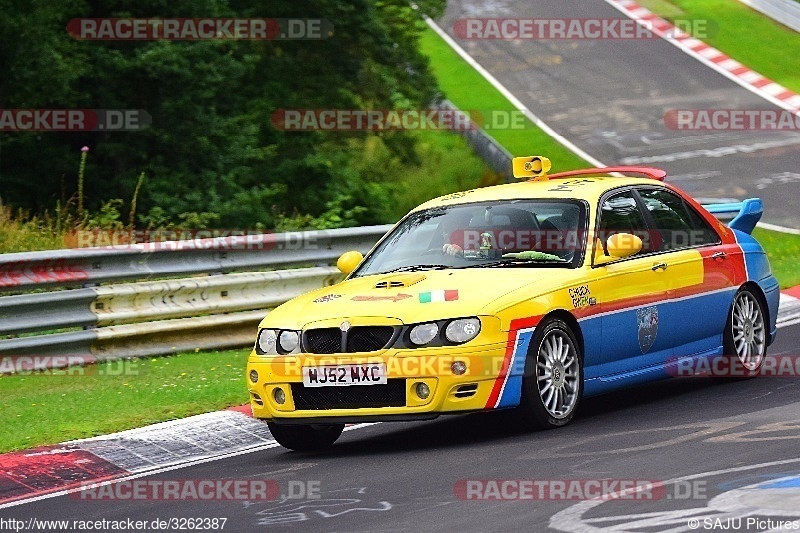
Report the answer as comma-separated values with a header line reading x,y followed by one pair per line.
x,y
211,155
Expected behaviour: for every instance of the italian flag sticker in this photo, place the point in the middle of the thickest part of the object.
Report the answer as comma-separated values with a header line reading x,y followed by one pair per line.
x,y
438,296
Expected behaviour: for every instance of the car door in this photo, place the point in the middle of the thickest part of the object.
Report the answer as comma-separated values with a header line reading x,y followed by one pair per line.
x,y
700,281
632,293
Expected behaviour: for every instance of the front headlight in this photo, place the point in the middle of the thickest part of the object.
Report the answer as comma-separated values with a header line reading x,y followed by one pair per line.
x,y
277,342
445,332
267,342
462,330
288,341
422,334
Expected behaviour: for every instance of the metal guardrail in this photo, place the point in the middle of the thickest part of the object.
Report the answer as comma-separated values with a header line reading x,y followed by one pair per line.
x,y
493,154
786,12
124,320
81,266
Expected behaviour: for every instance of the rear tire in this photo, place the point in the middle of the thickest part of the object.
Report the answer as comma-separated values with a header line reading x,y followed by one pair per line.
x,y
744,341
303,438
553,383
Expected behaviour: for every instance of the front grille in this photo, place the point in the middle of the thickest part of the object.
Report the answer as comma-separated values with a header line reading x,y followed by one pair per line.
x,y
393,394
368,338
322,340
356,339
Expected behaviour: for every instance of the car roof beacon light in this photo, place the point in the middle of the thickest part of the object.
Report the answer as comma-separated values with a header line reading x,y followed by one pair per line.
x,y
534,167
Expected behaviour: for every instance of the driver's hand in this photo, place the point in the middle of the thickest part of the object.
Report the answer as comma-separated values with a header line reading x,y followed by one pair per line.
x,y
451,249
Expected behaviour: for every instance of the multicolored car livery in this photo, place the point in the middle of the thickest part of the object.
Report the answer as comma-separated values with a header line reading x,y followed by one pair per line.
x,y
526,296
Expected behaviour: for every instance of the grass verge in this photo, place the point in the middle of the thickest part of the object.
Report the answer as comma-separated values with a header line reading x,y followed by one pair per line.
x,y
20,233
783,250
41,409
469,91
742,33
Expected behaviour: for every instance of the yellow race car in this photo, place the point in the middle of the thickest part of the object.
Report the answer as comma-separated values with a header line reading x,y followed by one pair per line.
x,y
525,296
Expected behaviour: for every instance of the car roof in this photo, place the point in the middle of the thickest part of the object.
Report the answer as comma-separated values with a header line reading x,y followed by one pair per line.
x,y
588,188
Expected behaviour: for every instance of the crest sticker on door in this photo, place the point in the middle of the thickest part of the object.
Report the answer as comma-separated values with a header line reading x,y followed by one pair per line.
x,y
647,318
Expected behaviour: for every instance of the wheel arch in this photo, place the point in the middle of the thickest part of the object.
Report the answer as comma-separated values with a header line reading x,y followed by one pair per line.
x,y
531,411
572,322
756,289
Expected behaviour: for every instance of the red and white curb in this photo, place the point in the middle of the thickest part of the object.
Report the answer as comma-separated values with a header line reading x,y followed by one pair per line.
x,y
67,467
711,57
789,309
50,471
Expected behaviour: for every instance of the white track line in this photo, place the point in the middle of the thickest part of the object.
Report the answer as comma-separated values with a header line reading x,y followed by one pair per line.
x,y
510,97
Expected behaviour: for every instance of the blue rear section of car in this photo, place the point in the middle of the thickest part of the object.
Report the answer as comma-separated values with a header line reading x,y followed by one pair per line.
x,y
746,213
759,271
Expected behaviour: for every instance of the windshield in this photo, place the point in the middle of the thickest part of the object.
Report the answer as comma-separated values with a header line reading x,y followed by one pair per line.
x,y
500,233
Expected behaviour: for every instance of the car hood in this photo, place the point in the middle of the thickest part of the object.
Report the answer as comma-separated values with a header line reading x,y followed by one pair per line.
x,y
422,296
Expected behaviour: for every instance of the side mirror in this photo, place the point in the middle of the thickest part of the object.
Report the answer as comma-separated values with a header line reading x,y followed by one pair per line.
x,y
619,245
348,261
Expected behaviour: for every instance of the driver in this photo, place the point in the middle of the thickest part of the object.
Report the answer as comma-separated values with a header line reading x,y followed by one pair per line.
x,y
450,228
452,249
455,238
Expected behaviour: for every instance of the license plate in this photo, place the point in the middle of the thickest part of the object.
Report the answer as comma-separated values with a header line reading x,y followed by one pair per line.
x,y
344,375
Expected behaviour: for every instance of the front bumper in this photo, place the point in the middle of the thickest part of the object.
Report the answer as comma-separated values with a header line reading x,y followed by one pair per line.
x,y
449,393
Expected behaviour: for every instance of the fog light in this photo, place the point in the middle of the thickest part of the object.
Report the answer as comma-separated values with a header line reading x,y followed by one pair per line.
x,y
423,391
458,368
279,395
254,376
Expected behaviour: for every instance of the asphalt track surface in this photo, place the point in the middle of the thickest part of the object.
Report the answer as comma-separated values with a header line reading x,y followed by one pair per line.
x,y
712,442
609,97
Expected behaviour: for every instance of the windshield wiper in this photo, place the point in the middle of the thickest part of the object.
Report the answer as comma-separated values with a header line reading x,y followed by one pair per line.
x,y
414,268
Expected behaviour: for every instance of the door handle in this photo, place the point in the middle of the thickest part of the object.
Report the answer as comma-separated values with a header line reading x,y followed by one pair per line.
x,y
659,266
719,255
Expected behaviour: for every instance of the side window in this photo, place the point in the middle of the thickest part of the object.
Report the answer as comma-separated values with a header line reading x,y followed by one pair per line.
x,y
620,214
703,234
675,224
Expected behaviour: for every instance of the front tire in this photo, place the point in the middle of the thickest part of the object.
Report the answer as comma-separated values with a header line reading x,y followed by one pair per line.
x,y
553,383
303,438
744,341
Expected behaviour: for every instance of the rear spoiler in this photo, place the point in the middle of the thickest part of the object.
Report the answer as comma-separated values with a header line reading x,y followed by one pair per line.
x,y
745,214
